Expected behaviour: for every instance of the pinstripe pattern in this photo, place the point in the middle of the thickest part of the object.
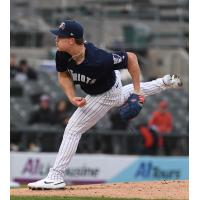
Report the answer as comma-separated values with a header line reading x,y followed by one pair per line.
x,y
147,88
86,117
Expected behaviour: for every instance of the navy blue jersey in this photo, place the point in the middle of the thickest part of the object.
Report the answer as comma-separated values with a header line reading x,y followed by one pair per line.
x,y
96,73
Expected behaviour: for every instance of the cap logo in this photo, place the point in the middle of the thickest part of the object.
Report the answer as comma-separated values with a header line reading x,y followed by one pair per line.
x,y
62,26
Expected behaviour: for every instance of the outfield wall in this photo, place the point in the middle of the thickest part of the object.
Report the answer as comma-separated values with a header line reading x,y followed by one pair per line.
x,y
100,168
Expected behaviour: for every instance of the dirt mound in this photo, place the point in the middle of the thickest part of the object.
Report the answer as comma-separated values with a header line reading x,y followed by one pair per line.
x,y
146,190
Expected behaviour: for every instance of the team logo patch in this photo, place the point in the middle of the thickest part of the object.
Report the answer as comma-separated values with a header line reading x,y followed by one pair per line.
x,y
116,59
62,25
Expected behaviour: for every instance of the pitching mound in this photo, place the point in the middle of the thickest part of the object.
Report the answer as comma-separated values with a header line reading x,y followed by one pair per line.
x,y
145,190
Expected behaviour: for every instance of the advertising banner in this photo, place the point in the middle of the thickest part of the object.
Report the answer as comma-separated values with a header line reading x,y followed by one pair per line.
x,y
83,168
99,168
154,168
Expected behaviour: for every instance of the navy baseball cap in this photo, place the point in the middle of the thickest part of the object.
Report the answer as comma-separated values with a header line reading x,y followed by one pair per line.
x,y
69,28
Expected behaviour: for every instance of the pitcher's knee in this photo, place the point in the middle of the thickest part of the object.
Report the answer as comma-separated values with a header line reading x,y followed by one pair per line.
x,y
70,131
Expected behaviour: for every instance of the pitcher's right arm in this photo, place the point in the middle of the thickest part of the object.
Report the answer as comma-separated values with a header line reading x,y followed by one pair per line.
x,y
66,83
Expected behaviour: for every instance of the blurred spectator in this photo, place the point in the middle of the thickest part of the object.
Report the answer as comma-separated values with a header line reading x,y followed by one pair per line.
x,y
61,113
14,147
161,119
33,147
25,72
14,69
116,122
44,114
159,124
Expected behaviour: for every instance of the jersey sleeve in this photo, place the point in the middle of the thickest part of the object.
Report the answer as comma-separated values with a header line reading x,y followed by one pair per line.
x,y
120,60
61,61
117,60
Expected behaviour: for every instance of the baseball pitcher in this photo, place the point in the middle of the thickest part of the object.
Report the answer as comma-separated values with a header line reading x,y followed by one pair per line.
x,y
96,71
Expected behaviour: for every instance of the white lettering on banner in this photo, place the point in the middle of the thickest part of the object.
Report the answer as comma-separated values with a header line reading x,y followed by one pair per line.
x,y
81,78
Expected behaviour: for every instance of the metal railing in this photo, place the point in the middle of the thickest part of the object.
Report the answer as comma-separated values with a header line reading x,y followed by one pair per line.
x,y
48,138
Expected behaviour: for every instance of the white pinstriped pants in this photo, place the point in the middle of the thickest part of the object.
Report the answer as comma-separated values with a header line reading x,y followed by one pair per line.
x,y
86,117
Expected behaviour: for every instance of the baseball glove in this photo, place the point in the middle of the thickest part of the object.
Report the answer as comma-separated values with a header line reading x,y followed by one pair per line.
x,y
132,107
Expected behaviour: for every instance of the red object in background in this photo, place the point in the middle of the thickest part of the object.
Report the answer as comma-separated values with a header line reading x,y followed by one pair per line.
x,y
163,121
148,139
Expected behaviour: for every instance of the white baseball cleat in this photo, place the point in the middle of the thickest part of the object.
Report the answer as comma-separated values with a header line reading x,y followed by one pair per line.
x,y
172,81
47,184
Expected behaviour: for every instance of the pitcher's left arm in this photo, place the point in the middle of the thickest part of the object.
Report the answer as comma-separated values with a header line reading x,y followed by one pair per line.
x,y
134,70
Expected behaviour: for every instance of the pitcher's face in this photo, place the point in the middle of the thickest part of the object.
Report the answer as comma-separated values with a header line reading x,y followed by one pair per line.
x,y
63,43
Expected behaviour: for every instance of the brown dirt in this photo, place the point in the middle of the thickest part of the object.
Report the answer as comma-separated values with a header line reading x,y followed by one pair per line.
x,y
145,190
